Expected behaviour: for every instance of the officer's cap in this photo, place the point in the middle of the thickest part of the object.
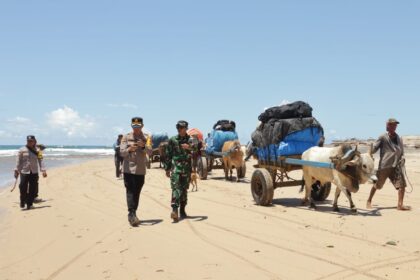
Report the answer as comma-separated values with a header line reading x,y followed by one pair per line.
x,y
137,122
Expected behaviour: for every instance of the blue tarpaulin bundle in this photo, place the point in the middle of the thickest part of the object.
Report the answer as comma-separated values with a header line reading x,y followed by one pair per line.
x,y
158,138
217,138
293,144
286,130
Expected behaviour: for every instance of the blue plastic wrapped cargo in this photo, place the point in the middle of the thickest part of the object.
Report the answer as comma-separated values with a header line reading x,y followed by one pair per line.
x,y
298,142
293,144
217,138
158,138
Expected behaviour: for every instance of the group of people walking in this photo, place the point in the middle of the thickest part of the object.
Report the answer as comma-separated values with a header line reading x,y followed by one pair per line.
x,y
133,150
131,156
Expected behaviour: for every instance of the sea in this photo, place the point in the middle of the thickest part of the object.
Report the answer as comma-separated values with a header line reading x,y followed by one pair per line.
x,y
54,156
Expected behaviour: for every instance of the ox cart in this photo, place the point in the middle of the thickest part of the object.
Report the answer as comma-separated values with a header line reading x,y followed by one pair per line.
x,y
267,177
211,157
209,162
154,156
157,142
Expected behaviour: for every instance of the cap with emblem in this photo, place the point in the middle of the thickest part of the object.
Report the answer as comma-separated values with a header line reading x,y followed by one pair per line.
x,y
181,124
137,122
392,120
30,138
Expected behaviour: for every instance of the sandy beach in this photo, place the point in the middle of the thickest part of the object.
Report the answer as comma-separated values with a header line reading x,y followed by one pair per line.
x,y
81,231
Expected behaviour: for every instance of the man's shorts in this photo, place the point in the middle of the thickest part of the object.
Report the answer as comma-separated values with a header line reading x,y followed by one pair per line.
x,y
393,174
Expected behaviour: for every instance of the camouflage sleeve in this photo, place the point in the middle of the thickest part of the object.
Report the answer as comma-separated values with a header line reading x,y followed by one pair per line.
x,y
169,151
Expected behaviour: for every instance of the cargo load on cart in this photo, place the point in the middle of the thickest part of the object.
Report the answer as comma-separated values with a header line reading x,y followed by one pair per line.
x,y
286,130
223,131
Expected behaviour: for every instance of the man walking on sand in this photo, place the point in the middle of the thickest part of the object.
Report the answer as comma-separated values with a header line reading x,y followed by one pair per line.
x,y
133,150
178,169
391,163
29,160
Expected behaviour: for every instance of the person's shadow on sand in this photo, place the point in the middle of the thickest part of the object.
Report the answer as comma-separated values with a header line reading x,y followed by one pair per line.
x,y
150,222
197,218
36,208
323,207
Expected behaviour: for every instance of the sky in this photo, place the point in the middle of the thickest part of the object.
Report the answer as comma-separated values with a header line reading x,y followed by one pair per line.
x,y
76,72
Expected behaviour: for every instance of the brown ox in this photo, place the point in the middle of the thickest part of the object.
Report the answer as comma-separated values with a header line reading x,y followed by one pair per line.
x,y
232,157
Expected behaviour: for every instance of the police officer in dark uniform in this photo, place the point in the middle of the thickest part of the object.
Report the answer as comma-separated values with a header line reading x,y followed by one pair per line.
x,y
133,149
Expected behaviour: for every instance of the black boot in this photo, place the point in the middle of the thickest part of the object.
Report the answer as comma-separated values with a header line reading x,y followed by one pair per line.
x,y
174,214
132,219
182,212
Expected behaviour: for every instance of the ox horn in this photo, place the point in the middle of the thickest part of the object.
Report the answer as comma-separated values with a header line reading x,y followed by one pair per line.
x,y
371,149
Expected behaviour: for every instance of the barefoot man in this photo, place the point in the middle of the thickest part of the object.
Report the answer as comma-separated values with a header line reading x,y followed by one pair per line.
x,y
390,164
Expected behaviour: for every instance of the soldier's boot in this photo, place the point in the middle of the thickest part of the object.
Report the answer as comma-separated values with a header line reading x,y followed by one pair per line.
x,y
174,214
182,212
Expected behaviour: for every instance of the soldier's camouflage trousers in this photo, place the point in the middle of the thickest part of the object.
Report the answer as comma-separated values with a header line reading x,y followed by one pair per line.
x,y
179,184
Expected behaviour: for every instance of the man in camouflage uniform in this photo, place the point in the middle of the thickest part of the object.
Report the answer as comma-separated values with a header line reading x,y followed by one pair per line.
x,y
178,169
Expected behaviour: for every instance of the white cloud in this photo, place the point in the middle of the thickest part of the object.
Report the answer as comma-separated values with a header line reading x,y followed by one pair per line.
x,y
119,130
19,121
5,133
333,131
18,127
123,105
69,121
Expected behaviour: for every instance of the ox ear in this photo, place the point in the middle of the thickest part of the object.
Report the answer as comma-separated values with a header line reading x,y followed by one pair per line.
x,y
351,162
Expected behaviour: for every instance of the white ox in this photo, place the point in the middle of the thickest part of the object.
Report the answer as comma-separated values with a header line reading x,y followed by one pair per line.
x,y
351,169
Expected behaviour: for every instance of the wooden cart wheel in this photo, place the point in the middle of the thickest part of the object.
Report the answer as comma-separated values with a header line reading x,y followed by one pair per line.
x,y
242,170
202,168
262,187
320,192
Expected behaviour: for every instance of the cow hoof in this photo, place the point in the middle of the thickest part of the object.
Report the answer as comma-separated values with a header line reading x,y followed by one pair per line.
x,y
353,210
336,209
313,206
304,202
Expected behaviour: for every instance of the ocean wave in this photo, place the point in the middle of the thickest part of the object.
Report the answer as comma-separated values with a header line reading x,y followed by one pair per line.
x,y
70,152
63,152
8,153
